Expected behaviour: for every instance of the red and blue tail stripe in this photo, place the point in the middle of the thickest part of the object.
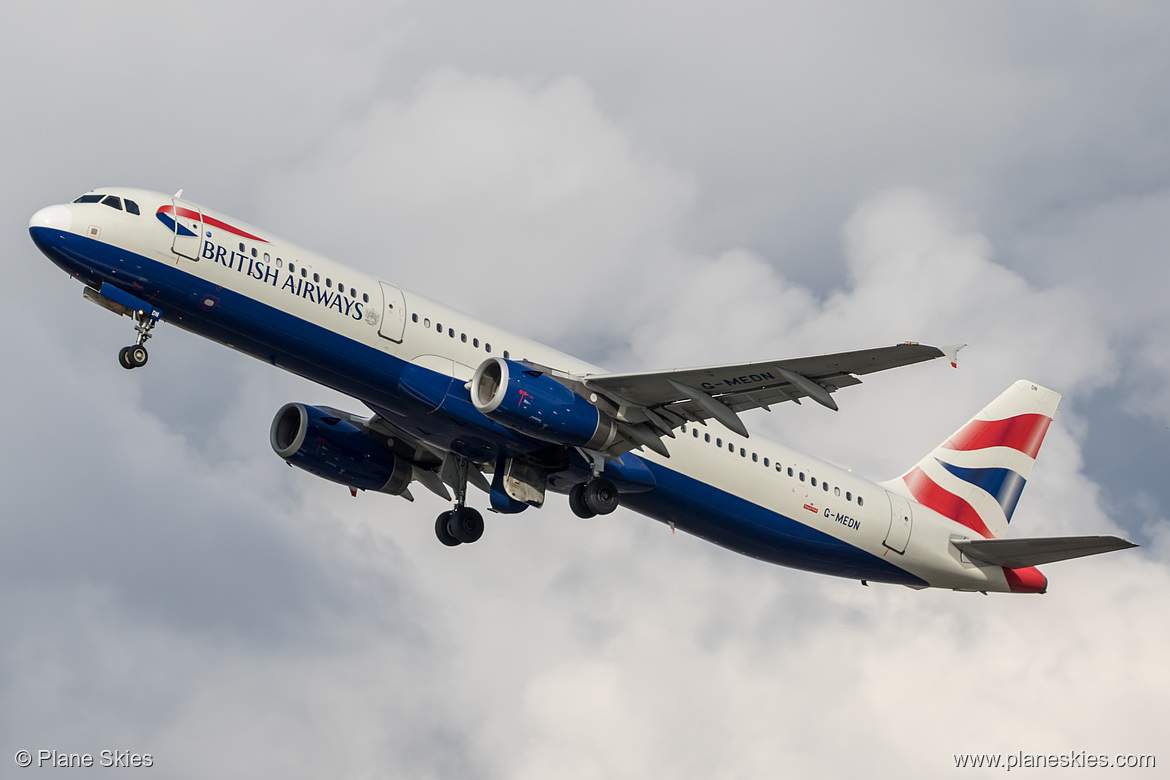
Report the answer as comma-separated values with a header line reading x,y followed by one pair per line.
x,y
1023,433
976,476
1004,485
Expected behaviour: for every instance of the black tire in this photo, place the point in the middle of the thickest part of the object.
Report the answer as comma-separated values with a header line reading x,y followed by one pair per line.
x,y
600,496
124,357
466,525
137,356
443,533
577,502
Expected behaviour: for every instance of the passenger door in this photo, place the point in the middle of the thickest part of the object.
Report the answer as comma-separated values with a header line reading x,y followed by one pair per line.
x,y
393,313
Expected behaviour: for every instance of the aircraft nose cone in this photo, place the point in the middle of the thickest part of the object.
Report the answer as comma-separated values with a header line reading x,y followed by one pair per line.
x,y
56,217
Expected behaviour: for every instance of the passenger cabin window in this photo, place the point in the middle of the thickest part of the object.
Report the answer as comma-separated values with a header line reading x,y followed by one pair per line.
x,y
88,199
316,277
254,252
366,299
113,201
329,284
475,342
413,317
487,347
860,501
132,207
352,293
304,273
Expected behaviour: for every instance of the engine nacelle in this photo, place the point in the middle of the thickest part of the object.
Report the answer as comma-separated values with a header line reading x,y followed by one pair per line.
x,y
323,444
533,403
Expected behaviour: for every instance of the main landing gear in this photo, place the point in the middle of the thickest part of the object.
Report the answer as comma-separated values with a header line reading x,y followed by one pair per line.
x,y
135,356
598,496
461,525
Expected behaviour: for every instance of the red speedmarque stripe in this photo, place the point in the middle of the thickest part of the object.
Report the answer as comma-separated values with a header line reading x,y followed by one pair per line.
x,y
1023,433
190,214
927,492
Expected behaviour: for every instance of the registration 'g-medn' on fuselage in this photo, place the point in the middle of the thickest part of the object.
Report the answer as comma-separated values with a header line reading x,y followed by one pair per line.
x,y
457,402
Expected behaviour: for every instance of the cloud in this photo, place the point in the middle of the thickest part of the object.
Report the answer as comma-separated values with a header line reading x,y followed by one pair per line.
x,y
525,187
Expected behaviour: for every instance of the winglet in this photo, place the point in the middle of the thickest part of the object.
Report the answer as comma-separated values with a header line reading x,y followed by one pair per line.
x,y
951,352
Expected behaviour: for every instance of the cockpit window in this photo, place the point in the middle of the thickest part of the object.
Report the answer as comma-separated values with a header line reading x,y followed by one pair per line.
x,y
132,207
88,199
113,201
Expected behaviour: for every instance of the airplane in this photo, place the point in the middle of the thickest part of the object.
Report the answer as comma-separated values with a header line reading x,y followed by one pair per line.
x,y
456,402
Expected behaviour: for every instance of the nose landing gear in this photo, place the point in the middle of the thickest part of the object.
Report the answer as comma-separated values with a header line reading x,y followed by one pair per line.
x,y
135,356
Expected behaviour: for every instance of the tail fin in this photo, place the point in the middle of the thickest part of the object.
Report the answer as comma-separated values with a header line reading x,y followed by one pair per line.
x,y
976,476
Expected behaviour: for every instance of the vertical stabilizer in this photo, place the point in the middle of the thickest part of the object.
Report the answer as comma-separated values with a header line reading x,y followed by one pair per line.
x,y
976,476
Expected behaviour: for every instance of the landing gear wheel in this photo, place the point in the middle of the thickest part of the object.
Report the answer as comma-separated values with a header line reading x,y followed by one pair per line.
x,y
600,496
577,502
466,525
441,530
133,357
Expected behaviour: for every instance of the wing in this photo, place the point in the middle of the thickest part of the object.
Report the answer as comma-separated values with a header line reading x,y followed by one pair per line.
x,y
666,400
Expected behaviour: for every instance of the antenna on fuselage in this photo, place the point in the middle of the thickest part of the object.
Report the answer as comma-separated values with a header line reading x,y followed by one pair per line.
x,y
179,194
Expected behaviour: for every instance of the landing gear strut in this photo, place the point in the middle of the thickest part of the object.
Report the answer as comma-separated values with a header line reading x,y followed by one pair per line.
x,y
135,356
461,525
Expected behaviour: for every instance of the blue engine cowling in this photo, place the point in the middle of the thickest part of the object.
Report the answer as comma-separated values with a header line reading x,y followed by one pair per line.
x,y
531,402
321,443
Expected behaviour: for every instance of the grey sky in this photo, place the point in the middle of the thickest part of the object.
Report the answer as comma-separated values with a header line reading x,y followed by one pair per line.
x,y
647,186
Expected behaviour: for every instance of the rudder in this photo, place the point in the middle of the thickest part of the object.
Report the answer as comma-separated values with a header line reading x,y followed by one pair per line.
x,y
976,476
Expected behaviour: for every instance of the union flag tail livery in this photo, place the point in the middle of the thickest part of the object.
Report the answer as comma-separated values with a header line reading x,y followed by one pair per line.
x,y
458,403
976,476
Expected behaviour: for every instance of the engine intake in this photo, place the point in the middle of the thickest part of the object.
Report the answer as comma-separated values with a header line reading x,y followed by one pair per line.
x,y
321,443
533,403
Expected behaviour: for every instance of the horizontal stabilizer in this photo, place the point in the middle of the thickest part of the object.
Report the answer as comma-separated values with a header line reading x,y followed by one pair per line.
x,y
1019,553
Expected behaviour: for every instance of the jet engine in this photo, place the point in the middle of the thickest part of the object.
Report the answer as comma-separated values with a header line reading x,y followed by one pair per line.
x,y
532,402
322,443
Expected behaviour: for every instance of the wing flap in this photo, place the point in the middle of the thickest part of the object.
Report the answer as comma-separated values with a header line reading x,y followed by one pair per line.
x,y
1020,553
